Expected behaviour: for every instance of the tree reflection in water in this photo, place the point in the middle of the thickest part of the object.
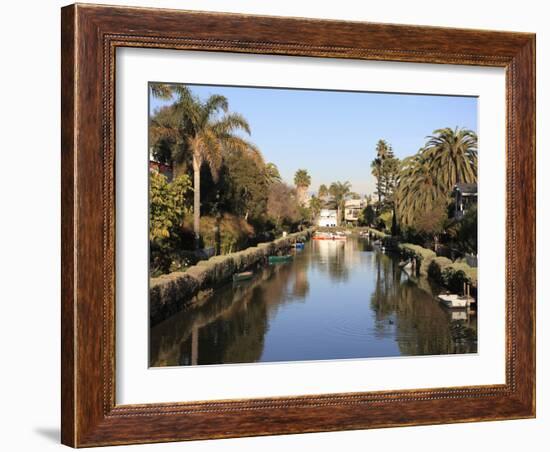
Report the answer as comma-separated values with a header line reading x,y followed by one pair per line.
x,y
335,300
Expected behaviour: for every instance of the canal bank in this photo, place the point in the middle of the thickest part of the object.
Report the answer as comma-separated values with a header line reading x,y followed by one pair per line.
x,y
169,294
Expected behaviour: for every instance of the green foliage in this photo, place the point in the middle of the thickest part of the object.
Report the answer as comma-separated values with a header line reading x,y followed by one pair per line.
x,y
385,168
436,267
315,206
416,251
368,215
302,178
386,218
378,234
455,275
243,187
452,275
452,156
464,232
323,191
228,233
339,192
272,173
167,205
203,131
427,178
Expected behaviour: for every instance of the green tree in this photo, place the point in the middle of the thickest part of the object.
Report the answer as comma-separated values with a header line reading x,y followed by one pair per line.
x,y
302,180
385,168
465,231
382,150
244,188
204,131
272,173
167,205
315,205
418,191
369,215
323,191
452,155
340,191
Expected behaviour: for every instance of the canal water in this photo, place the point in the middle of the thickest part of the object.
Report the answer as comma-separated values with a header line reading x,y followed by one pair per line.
x,y
335,300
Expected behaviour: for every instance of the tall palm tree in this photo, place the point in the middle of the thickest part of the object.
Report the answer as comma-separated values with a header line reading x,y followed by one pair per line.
x,y
323,191
339,191
419,189
205,132
453,155
302,180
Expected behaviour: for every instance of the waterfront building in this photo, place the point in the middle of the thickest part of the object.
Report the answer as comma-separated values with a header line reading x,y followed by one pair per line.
x,y
353,209
328,218
465,196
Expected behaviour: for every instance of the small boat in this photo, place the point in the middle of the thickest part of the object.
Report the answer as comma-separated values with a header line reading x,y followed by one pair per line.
x,y
279,259
322,236
455,301
244,276
299,245
329,236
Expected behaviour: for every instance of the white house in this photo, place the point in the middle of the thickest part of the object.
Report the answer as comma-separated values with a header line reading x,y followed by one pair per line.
x,y
328,218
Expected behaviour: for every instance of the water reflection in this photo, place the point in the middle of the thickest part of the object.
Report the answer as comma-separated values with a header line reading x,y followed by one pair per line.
x,y
335,300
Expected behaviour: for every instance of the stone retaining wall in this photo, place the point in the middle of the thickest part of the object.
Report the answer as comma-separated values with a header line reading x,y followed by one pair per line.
x,y
169,294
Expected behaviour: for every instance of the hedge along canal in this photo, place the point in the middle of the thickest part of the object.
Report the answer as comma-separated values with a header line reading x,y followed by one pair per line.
x,y
169,294
448,274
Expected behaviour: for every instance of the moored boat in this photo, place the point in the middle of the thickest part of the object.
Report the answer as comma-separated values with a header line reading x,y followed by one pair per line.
x,y
244,276
279,259
455,301
329,236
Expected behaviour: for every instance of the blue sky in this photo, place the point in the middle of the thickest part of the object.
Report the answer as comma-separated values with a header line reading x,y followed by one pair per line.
x,y
333,134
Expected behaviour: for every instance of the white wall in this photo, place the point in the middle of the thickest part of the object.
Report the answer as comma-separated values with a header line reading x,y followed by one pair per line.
x,y
29,250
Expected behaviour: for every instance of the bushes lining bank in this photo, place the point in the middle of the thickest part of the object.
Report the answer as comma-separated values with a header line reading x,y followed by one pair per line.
x,y
170,293
449,274
423,256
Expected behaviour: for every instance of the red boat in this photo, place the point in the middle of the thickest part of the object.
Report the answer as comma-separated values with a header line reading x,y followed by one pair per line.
x,y
328,236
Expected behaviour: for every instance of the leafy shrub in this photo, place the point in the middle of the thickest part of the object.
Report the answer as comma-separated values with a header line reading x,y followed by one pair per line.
x,y
377,233
456,274
436,268
226,234
423,255
417,251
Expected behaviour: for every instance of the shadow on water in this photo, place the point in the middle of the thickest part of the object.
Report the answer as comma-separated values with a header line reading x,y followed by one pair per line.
x,y
335,300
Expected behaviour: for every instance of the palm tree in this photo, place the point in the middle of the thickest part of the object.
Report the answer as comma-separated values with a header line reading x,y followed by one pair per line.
x,y
205,132
315,205
323,191
272,174
419,190
339,191
161,90
453,155
302,180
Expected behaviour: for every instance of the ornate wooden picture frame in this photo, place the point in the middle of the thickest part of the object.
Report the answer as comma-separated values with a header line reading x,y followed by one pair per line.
x,y
90,37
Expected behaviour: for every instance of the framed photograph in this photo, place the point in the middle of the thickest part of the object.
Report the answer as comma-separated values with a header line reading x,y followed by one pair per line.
x,y
282,225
